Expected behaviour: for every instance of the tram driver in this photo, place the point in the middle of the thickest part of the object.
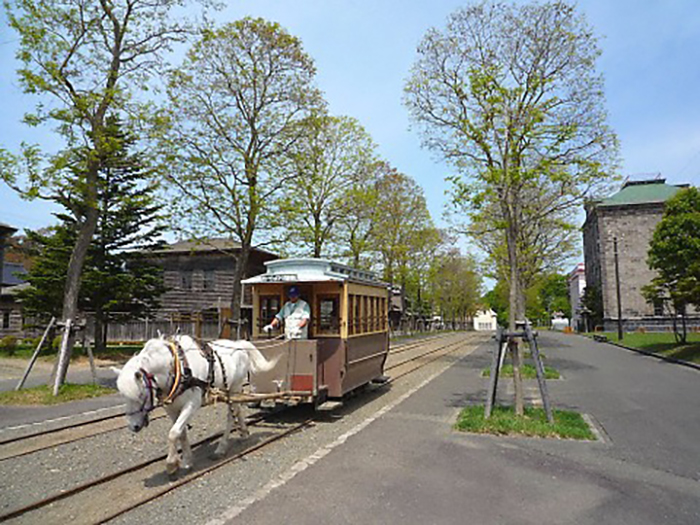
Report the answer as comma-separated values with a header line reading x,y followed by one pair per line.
x,y
295,314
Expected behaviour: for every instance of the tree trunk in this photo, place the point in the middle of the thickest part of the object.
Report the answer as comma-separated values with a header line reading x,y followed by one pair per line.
x,y
516,313
236,294
75,269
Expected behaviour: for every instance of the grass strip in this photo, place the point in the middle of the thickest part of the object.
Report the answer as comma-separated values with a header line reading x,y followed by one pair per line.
x,y
43,395
528,371
504,422
661,343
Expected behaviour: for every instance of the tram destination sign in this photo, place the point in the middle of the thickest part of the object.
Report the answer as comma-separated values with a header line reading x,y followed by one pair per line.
x,y
280,277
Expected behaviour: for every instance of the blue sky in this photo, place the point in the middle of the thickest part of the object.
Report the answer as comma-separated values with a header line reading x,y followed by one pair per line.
x,y
364,49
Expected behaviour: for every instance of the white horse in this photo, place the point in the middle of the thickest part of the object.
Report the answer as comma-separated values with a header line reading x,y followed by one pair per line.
x,y
156,375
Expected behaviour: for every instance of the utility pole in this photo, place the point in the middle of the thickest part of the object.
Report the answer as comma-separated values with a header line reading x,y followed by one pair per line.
x,y
620,334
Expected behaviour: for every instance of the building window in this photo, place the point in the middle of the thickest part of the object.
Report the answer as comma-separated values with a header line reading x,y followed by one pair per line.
x,y
209,282
6,320
186,279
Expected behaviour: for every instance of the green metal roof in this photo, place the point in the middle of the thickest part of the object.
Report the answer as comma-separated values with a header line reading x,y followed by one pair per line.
x,y
642,192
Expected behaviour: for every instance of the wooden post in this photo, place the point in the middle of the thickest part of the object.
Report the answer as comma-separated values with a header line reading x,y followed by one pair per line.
x,y
91,358
36,354
539,367
493,379
516,353
63,357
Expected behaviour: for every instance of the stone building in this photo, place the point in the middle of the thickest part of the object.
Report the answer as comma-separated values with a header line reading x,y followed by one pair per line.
x,y
630,216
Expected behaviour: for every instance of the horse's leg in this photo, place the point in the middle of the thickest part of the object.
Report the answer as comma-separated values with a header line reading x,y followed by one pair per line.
x,y
186,450
190,406
223,442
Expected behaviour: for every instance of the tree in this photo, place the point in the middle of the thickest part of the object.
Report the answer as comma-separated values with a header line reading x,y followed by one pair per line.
x,y
455,285
361,213
333,155
116,282
85,59
401,224
674,252
551,295
508,94
234,109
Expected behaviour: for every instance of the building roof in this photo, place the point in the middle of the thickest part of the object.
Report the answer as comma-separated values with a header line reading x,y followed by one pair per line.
x,y
6,228
642,192
11,274
206,245
312,270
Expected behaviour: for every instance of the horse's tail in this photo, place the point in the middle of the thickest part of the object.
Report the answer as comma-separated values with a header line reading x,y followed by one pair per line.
x,y
258,361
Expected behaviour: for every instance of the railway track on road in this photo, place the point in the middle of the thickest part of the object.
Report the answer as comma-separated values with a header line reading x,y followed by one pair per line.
x,y
45,439
86,503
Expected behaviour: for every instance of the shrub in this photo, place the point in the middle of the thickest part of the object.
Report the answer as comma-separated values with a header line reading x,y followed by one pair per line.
x,y
8,344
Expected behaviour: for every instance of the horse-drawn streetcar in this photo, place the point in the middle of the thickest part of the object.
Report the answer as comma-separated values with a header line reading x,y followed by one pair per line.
x,y
348,337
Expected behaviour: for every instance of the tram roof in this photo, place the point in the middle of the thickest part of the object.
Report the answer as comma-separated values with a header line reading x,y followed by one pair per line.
x,y
312,270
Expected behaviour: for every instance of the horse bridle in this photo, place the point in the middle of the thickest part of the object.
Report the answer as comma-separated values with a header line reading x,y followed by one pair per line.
x,y
153,391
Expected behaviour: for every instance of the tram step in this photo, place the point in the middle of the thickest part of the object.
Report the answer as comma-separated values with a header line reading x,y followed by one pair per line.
x,y
328,406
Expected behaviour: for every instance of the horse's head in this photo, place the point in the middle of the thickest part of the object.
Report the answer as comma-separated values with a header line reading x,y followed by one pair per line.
x,y
137,383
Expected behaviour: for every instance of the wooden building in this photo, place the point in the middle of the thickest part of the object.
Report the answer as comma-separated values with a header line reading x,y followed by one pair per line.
x,y
198,276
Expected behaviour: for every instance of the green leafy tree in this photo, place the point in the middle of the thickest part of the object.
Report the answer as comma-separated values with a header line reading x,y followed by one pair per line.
x,y
508,94
401,224
117,282
455,285
233,115
333,156
84,60
592,302
674,252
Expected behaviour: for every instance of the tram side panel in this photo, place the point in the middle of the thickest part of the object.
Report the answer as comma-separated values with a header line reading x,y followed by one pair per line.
x,y
296,369
365,359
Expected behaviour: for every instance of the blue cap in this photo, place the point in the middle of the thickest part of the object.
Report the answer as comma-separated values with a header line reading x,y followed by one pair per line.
x,y
293,291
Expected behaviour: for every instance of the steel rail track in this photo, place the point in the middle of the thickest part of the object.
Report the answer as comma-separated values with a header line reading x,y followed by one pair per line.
x,y
71,439
446,349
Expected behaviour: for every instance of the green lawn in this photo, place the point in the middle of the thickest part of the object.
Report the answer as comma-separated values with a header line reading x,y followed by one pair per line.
x,y
117,353
43,395
528,372
504,422
661,343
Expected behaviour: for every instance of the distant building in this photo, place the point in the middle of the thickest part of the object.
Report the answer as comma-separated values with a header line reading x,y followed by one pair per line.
x,y
631,216
10,281
577,284
5,232
485,321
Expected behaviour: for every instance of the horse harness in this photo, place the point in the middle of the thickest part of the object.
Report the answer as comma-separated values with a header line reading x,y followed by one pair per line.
x,y
183,379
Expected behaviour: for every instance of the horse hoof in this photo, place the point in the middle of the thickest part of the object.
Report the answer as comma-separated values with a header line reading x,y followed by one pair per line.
x,y
218,454
245,434
171,469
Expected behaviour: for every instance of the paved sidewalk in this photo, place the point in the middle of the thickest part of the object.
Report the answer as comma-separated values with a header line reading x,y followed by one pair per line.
x,y
410,467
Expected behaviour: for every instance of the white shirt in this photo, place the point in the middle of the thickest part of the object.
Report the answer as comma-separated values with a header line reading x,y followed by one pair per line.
x,y
293,314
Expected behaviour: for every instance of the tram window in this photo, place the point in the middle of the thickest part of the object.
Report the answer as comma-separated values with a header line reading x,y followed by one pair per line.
x,y
269,307
327,316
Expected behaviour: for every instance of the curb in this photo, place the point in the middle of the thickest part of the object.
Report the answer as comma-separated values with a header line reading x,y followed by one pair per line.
x,y
650,354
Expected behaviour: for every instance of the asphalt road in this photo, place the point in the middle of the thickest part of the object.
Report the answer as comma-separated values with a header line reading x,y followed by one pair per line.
x,y
409,466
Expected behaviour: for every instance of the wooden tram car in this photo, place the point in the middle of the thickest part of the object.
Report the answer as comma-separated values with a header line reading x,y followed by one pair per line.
x,y
348,332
